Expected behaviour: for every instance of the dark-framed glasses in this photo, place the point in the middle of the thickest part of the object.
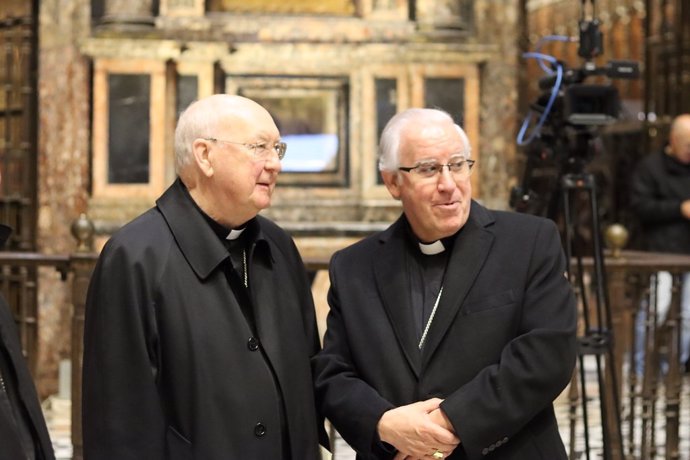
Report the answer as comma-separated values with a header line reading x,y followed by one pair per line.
x,y
260,150
458,166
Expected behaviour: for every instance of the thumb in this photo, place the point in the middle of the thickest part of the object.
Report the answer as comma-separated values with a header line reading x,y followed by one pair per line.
x,y
430,404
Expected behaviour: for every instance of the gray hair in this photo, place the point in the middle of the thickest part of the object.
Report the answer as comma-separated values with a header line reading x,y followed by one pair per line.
x,y
199,120
389,146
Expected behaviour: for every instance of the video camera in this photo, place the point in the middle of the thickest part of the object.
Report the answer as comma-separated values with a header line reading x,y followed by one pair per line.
x,y
569,110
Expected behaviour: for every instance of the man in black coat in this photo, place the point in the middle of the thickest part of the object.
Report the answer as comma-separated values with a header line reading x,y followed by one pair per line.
x,y
23,432
450,333
199,320
660,198
661,192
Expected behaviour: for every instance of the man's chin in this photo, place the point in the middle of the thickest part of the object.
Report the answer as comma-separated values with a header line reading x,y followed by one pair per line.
x,y
262,203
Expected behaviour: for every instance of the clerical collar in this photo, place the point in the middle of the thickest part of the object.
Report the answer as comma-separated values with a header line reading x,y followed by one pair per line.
x,y
431,249
235,233
220,230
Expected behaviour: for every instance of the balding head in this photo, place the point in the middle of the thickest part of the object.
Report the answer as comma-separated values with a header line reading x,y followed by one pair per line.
x,y
216,144
203,119
679,138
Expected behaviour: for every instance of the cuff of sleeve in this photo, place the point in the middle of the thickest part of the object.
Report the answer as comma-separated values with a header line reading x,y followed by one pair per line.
x,y
381,448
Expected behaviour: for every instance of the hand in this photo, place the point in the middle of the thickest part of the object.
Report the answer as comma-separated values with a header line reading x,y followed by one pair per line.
x,y
412,431
685,209
439,417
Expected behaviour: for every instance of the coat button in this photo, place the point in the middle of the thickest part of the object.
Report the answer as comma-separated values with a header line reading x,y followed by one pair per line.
x,y
253,344
259,430
485,451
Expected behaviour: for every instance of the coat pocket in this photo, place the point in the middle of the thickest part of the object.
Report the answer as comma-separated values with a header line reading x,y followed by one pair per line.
x,y
178,447
501,299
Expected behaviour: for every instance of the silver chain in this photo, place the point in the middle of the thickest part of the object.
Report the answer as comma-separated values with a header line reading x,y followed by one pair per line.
x,y
244,265
431,318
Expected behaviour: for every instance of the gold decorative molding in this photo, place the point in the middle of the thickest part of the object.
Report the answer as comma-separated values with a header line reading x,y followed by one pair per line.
x,y
334,7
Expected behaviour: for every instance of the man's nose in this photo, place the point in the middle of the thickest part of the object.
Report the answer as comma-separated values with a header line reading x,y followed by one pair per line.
x,y
445,179
273,163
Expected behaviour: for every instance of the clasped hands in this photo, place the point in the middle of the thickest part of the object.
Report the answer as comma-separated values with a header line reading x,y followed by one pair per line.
x,y
418,431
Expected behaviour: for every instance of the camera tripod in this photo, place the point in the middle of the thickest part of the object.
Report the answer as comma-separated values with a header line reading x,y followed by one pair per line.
x,y
596,341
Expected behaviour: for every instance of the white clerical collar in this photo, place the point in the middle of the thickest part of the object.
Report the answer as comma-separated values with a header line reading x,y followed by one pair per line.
x,y
432,249
234,234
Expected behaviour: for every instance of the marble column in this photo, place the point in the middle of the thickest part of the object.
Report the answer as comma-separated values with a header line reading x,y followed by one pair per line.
x,y
63,168
497,22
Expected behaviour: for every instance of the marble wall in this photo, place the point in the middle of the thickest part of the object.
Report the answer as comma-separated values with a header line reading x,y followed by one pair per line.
x,y
63,166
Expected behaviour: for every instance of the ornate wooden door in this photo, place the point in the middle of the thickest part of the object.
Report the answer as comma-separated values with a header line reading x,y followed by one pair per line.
x,y
18,159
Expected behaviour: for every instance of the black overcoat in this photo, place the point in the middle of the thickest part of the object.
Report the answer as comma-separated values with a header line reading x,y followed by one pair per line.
x,y
172,370
10,445
500,349
659,185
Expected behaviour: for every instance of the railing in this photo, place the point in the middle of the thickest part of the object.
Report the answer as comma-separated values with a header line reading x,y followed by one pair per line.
x,y
75,269
642,359
632,277
636,292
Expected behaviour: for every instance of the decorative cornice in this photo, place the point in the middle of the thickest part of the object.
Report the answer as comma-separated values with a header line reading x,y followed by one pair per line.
x,y
240,53
131,48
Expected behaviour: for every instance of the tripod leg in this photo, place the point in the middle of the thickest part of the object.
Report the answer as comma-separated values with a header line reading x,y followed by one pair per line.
x,y
613,425
597,338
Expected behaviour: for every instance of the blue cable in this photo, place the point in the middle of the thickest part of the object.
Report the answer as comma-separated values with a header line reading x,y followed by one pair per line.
x,y
554,93
550,38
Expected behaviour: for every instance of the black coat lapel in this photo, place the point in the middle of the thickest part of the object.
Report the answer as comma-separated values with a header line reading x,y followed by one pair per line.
x,y
470,250
393,286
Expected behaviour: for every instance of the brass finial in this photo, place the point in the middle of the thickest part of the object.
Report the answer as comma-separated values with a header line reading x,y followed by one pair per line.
x,y
83,231
616,237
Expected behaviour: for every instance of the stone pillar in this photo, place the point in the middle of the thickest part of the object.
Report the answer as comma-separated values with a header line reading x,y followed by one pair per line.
x,y
497,22
63,167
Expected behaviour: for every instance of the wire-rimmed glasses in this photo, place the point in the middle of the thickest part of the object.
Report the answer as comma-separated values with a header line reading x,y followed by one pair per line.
x,y
260,150
457,165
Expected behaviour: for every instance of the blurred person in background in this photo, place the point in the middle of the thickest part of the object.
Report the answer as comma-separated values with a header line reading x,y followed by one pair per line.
x,y
660,198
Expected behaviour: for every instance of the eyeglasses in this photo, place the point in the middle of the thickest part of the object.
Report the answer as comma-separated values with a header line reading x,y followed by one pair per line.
x,y
260,150
457,166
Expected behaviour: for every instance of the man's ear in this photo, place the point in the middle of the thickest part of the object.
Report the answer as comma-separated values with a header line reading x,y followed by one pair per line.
x,y
392,181
201,153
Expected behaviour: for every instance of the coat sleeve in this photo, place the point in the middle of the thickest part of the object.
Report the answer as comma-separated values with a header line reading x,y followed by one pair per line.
x,y
122,415
342,396
311,329
534,367
10,341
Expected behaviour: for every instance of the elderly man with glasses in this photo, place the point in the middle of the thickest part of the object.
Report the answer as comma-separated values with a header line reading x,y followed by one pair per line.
x,y
450,333
199,321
